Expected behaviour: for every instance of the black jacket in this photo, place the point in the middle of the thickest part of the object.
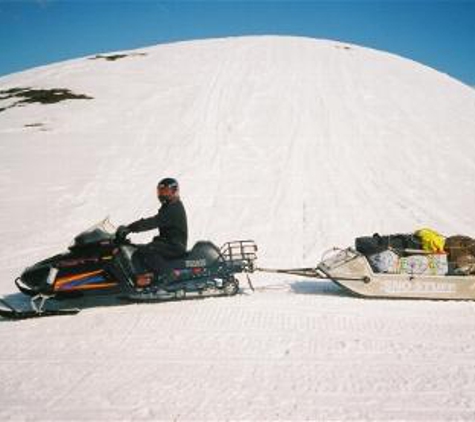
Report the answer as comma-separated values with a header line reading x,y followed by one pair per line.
x,y
170,221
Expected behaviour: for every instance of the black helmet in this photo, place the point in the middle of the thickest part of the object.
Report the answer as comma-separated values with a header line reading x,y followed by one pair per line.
x,y
167,190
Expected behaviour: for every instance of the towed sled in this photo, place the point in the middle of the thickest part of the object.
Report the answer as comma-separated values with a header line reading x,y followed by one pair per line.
x,y
351,270
85,270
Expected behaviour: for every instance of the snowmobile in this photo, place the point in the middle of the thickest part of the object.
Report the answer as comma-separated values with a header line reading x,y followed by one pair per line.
x,y
86,269
351,270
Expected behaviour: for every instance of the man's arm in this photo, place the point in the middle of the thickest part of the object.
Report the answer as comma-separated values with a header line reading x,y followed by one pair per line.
x,y
144,224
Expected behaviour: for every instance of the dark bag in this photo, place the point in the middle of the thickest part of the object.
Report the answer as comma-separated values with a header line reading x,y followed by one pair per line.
x,y
370,245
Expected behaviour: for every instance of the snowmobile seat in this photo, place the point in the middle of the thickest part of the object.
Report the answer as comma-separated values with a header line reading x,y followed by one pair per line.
x,y
203,253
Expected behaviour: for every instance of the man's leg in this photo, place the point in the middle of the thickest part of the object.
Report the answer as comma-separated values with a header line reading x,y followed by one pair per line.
x,y
150,261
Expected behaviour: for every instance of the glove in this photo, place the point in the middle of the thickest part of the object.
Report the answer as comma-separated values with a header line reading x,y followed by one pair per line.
x,y
122,232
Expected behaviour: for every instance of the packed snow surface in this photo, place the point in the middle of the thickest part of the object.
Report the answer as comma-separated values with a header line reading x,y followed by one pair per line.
x,y
299,144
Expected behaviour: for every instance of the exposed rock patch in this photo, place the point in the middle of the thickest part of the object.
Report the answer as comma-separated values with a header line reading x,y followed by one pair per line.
x,y
114,57
26,96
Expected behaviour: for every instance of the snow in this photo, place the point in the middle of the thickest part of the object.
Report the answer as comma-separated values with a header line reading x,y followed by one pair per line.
x,y
297,143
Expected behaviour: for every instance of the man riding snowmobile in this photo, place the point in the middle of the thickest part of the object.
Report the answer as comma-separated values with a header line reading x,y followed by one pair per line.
x,y
172,240
100,261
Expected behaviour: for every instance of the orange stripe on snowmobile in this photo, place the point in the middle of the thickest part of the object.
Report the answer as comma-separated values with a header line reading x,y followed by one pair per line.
x,y
61,284
64,280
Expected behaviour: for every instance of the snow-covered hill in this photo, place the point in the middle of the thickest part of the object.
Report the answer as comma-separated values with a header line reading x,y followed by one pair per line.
x,y
299,144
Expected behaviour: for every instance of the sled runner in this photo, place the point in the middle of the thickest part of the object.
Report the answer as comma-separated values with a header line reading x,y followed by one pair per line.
x,y
352,271
86,270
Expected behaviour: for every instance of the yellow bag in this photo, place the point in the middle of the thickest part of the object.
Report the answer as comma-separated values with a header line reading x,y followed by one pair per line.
x,y
431,240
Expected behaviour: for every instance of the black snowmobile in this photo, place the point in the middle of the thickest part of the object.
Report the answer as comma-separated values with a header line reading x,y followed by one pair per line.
x,y
86,269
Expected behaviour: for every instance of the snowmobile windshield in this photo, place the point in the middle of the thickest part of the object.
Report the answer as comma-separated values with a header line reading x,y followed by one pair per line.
x,y
104,230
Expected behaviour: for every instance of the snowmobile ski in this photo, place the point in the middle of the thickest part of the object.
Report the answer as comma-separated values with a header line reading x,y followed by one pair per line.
x,y
8,311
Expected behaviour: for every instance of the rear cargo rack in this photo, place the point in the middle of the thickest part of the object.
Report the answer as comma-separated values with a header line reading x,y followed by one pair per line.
x,y
240,251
